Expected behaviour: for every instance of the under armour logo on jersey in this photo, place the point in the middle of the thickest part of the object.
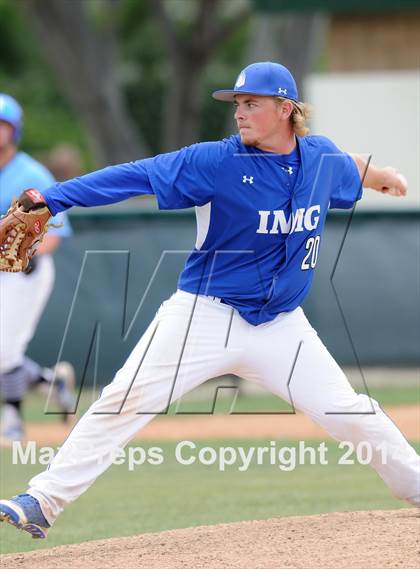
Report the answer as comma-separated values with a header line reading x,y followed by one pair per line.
x,y
282,91
289,169
246,179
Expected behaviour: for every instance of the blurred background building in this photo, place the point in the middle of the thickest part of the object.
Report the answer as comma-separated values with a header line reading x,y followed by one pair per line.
x,y
373,89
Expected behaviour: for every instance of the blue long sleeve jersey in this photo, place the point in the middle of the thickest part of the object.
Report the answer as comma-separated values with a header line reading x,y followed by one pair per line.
x,y
260,215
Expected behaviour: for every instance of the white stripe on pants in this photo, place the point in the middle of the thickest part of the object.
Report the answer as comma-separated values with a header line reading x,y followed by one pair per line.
x,y
192,339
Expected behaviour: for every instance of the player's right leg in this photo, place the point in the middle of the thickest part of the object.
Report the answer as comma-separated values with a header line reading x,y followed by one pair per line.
x,y
184,346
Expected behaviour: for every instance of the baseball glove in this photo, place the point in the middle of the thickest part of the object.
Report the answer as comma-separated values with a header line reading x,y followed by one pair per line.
x,y
22,229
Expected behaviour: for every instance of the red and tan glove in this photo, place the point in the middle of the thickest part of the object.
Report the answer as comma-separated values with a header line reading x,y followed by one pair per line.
x,y
22,230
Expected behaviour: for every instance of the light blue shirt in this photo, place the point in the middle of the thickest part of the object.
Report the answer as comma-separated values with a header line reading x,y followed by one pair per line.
x,y
21,173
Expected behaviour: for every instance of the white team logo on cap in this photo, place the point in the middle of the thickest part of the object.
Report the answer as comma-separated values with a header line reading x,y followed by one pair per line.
x,y
240,80
282,91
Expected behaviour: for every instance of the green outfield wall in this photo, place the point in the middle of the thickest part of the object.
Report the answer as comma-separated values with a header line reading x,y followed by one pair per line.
x,y
120,265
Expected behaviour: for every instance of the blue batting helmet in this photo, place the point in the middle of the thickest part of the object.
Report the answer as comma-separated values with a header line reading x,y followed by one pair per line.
x,y
11,112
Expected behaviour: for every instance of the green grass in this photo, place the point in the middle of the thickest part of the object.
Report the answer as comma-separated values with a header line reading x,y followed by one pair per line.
x,y
395,395
34,409
156,498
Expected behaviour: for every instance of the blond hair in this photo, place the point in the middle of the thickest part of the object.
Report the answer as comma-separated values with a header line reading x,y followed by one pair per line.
x,y
300,114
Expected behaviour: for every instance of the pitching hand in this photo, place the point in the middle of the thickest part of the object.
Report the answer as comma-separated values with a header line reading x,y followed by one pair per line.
x,y
392,182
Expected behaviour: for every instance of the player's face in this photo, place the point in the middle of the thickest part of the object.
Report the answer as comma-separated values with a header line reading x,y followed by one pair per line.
x,y
6,135
259,119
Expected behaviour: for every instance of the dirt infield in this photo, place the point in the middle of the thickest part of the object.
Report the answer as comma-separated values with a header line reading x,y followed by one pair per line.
x,y
286,426
372,540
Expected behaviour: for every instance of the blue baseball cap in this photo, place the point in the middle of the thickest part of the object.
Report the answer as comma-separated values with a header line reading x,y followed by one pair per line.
x,y
11,112
264,78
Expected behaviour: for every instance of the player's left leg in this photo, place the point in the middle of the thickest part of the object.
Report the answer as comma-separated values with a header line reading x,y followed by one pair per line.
x,y
11,424
288,358
22,300
13,387
184,346
57,384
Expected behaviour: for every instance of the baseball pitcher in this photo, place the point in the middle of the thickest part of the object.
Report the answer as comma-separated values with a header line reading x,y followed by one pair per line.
x,y
261,198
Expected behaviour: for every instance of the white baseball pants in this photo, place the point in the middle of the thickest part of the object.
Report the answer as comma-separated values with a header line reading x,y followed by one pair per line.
x,y
192,339
22,301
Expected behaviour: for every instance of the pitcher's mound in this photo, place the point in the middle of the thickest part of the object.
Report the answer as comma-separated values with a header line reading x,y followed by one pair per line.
x,y
372,540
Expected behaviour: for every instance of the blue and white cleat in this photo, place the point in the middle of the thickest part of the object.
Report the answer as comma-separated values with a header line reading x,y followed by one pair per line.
x,y
24,512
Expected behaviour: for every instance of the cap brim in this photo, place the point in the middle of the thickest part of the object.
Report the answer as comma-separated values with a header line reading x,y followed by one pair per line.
x,y
229,96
